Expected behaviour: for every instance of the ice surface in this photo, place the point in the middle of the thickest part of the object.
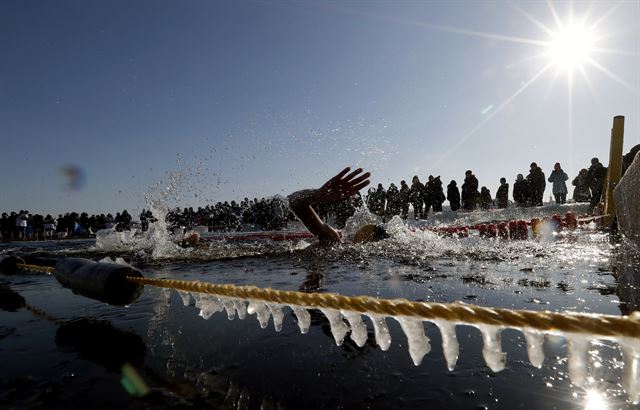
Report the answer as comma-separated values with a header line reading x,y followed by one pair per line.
x,y
261,311
535,342
450,346
383,337
418,342
339,329
304,318
358,329
631,378
577,346
492,348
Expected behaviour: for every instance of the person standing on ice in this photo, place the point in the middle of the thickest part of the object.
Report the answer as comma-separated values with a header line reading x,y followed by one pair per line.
x,y
343,186
470,192
595,178
581,192
404,198
521,191
415,196
558,177
537,184
453,195
502,195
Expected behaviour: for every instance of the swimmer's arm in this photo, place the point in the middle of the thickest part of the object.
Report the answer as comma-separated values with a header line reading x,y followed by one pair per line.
x,y
338,188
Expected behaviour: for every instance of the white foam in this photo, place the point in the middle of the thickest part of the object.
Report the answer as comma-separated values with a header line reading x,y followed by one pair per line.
x,y
418,342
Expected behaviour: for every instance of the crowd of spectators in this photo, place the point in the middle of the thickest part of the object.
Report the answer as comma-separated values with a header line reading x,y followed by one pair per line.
x,y
265,213
527,192
274,214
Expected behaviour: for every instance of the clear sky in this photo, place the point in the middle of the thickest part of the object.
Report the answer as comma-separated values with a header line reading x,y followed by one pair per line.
x,y
252,98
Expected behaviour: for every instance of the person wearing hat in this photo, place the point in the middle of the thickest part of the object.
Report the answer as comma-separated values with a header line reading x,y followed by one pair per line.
x,y
337,189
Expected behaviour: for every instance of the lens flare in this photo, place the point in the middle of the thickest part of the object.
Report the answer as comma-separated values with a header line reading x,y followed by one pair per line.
x,y
571,47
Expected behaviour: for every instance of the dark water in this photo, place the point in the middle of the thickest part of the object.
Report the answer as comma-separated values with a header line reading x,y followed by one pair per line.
x,y
69,353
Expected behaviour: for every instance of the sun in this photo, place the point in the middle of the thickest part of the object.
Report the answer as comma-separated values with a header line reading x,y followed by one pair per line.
x,y
571,47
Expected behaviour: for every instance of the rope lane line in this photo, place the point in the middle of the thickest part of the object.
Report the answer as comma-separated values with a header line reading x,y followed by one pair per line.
x,y
36,268
607,326
598,325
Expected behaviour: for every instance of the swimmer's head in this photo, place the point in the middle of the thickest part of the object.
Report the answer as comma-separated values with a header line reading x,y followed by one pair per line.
x,y
370,233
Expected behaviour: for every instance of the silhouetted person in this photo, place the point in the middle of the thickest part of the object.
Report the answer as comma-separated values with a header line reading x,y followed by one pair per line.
x,y
453,195
581,192
537,184
502,195
521,191
393,202
404,198
428,196
595,178
485,198
558,177
437,194
415,196
469,191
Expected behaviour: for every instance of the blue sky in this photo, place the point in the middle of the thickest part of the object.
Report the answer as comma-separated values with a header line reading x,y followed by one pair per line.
x,y
249,98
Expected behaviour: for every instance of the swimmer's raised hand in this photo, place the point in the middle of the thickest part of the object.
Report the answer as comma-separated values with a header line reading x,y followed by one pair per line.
x,y
342,186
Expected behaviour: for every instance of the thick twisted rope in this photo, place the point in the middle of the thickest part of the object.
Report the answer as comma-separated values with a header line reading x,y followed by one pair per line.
x,y
35,268
598,325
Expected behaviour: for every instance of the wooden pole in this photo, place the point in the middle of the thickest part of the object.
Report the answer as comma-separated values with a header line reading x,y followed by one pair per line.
x,y
614,172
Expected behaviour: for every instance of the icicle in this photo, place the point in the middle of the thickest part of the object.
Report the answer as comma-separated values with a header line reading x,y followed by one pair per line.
x,y
492,348
418,342
383,337
577,346
631,376
186,297
450,346
208,305
240,307
278,316
358,329
535,342
260,310
338,328
229,307
167,296
304,318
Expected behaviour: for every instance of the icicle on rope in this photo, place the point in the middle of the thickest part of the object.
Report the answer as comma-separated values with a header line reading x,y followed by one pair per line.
x,y
578,328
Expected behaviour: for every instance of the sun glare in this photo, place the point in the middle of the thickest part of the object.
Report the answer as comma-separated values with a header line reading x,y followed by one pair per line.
x,y
571,46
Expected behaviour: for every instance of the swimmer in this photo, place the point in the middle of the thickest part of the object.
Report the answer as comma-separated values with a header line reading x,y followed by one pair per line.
x,y
337,189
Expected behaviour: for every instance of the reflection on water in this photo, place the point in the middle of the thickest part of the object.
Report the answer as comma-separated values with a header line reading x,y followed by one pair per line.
x,y
217,362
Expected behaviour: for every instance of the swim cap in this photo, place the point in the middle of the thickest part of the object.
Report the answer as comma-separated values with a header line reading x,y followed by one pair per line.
x,y
370,233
